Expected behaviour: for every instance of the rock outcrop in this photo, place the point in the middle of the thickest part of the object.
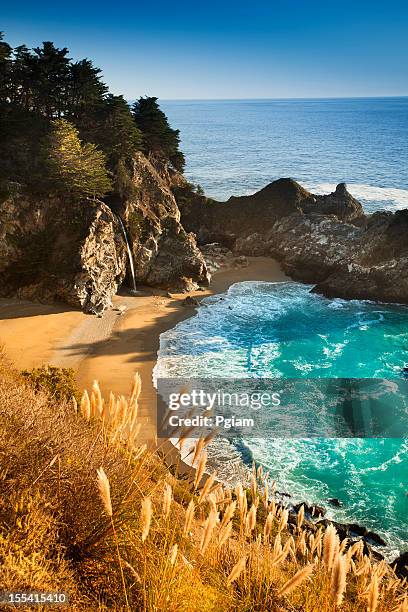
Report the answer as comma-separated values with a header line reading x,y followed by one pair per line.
x,y
51,250
164,254
326,240
56,250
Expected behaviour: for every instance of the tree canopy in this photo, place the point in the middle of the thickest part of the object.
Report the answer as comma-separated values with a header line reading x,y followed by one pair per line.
x,y
159,139
74,168
43,85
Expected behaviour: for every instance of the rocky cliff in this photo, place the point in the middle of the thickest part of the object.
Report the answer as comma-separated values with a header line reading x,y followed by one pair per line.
x,y
75,252
165,255
327,240
51,250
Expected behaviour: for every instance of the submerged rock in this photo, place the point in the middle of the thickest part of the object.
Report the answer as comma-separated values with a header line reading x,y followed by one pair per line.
x,y
334,501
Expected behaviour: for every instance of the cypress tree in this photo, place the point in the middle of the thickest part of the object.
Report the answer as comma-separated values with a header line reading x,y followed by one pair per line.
x,y
74,168
159,139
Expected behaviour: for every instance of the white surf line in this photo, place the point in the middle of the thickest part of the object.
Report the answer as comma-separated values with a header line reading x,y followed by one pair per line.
x,y
396,195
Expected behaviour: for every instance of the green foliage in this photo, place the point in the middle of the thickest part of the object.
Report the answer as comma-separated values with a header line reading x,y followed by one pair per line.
x,y
42,85
118,136
117,132
199,190
138,226
58,382
160,140
74,167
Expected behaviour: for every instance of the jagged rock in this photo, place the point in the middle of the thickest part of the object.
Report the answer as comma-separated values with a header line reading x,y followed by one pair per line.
x,y
51,250
55,250
215,256
339,203
312,510
355,531
400,565
325,240
164,254
214,249
190,301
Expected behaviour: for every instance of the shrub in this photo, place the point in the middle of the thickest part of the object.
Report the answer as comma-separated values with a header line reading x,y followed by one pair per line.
x,y
60,383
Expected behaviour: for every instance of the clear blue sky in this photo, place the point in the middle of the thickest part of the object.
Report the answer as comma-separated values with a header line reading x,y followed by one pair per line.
x,y
227,48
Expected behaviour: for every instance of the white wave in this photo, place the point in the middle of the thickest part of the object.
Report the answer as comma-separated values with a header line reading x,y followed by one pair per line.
x,y
391,198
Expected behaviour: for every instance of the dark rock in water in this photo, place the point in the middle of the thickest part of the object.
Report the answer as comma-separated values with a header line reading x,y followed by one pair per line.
x,y
353,530
375,538
400,565
335,502
326,239
370,552
312,510
340,528
190,301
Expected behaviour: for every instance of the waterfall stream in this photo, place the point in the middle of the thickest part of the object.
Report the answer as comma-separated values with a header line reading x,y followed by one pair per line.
x,y
129,250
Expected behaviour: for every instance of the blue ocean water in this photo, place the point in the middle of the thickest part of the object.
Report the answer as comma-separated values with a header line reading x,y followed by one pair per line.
x,y
234,147
263,329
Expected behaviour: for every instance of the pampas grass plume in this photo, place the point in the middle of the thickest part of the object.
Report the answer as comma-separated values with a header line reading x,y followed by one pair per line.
x,y
189,517
297,579
146,517
237,570
338,580
104,491
167,498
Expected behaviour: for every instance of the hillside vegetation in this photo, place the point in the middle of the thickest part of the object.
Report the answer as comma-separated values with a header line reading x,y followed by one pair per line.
x,y
86,510
63,132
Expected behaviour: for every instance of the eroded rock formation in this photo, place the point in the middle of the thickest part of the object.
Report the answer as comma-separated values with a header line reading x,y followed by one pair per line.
x,y
164,254
326,240
56,250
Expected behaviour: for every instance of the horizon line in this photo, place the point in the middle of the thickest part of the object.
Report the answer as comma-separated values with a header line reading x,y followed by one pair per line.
x,y
281,98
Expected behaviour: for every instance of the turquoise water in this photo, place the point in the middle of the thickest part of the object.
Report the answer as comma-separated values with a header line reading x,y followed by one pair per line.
x,y
282,330
235,147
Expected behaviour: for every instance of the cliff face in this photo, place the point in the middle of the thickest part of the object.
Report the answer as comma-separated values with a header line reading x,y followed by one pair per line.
x,y
52,250
318,239
164,254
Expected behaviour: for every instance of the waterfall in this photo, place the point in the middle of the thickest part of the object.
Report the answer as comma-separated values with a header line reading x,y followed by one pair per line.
x,y
129,250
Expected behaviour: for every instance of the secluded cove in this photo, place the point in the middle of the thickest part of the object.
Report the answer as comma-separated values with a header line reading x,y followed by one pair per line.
x,y
282,330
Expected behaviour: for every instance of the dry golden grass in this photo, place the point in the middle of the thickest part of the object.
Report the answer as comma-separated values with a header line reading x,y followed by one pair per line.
x,y
85,509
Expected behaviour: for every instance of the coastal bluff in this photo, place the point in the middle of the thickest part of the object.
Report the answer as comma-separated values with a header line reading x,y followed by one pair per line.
x,y
326,240
81,252
56,250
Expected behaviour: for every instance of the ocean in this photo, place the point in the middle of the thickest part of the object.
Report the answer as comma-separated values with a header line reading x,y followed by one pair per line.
x,y
235,147
281,329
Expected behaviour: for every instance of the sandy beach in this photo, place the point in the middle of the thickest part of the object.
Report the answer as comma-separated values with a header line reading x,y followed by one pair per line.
x,y
112,348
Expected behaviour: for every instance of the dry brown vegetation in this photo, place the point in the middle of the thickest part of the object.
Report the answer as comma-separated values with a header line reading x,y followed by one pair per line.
x,y
86,510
